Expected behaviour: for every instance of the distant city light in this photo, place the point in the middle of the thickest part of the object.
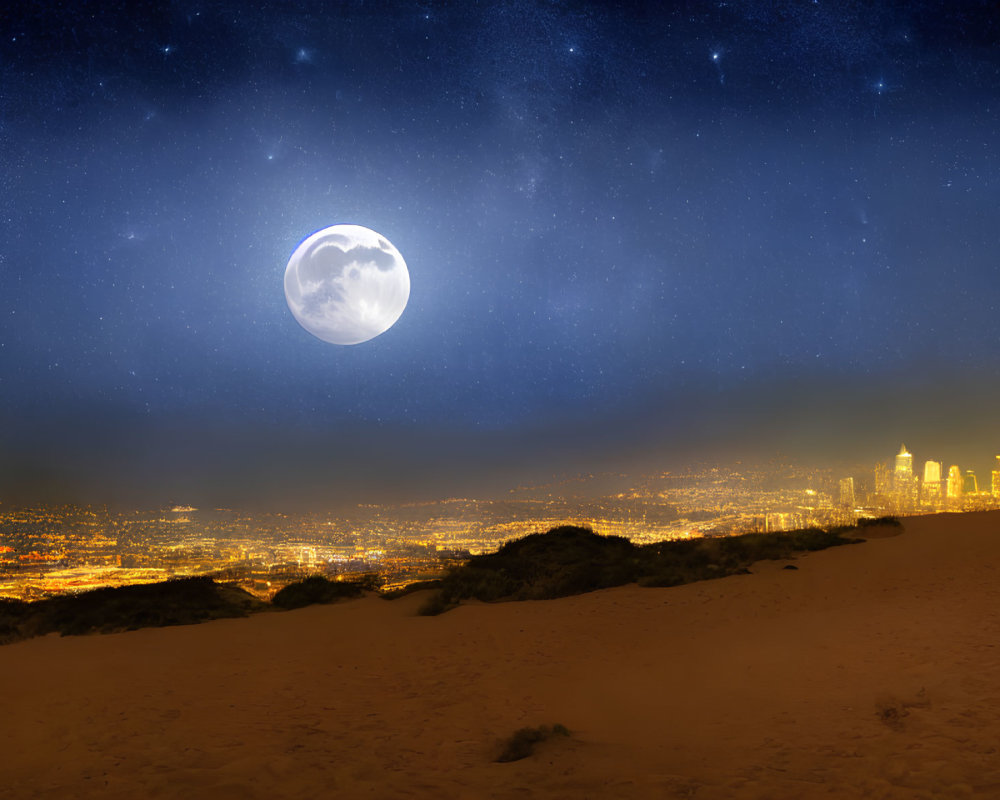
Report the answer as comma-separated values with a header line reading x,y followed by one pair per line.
x,y
65,549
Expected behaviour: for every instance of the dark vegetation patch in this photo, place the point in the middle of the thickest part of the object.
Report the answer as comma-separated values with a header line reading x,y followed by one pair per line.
x,y
571,560
565,561
317,589
868,522
891,715
522,742
893,711
879,527
176,602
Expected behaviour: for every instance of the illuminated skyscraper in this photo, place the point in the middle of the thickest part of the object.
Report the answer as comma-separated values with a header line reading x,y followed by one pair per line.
x,y
971,485
954,482
931,489
904,466
995,483
904,487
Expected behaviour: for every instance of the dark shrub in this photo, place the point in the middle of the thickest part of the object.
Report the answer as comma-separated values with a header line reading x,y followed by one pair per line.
x,y
570,560
434,605
316,589
521,743
175,602
482,583
12,614
868,521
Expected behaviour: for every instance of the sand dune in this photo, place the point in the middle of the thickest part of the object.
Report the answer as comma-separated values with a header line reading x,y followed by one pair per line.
x,y
871,671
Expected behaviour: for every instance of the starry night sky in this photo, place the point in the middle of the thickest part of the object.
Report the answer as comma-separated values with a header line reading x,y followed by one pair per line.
x,y
637,234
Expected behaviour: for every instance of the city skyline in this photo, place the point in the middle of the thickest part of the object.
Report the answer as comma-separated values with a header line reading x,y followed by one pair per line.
x,y
637,237
938,486
67,549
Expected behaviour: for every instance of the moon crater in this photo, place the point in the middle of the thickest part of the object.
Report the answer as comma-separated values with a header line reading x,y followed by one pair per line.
x,y
346,284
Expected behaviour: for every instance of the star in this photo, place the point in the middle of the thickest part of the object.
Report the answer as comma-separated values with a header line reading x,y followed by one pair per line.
x,y
716,57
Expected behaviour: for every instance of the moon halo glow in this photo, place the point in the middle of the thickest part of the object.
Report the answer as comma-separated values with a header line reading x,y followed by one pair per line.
x,y
346,284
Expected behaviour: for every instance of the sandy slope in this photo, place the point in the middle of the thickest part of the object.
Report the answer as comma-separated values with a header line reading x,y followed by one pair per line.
x,y
871,671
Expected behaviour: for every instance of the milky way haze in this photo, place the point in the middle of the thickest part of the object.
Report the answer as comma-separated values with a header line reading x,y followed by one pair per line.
x,y
633,235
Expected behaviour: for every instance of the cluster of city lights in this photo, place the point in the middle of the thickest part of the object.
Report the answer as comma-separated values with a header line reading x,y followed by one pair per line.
x,y
58,550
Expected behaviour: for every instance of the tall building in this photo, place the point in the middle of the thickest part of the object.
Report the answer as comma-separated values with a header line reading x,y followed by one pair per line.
x,y
954,482
904,466
971,485
995,483
931,489
847,492
904,487
883,480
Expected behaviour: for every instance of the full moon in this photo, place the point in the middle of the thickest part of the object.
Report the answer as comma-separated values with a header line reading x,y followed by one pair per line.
x,y
346,284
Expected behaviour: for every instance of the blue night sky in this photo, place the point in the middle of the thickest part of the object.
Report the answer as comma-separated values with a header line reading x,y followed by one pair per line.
x,y
636,234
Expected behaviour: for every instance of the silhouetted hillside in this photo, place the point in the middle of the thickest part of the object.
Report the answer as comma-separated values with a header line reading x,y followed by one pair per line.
x,y
176,602
570,560
317,589
566,560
